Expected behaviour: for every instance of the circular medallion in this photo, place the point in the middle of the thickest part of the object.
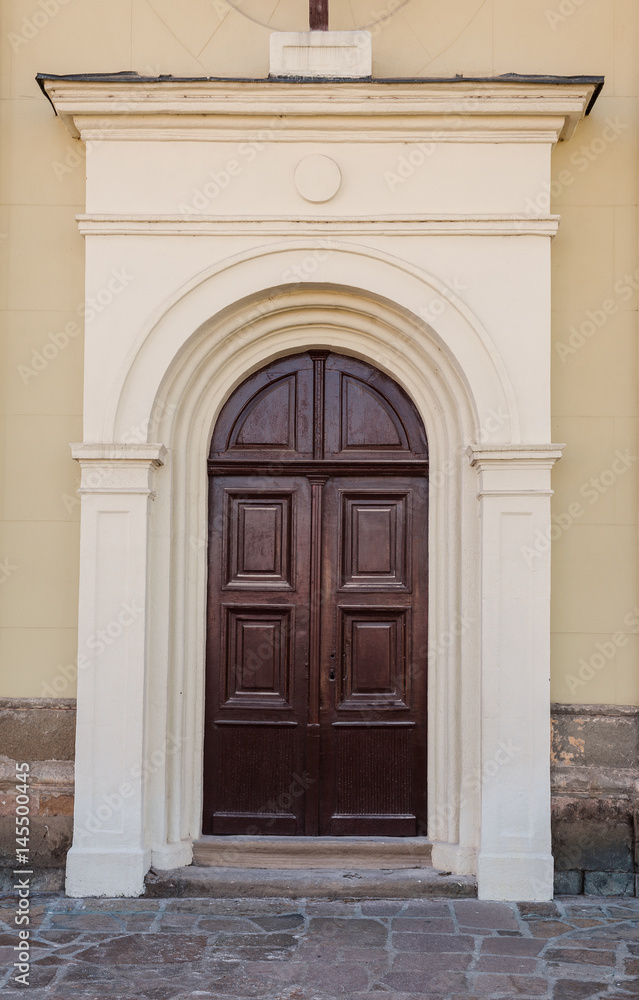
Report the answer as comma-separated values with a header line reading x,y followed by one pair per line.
x,y
317,178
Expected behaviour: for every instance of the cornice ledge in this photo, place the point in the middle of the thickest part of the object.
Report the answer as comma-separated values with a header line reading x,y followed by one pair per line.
x,y
153,454
485,456
550,106
205,225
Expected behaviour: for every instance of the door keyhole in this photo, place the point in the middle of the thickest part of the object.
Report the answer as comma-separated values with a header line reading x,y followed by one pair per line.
x,y
331,674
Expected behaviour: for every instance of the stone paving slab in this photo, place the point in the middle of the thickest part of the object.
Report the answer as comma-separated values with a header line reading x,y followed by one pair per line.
x,y
283,949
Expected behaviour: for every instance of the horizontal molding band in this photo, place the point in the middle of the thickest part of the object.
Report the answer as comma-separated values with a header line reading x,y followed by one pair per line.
x,y
401,225
300,467
431,131
118,452
514,493
254,722
381,724
513,455
143,491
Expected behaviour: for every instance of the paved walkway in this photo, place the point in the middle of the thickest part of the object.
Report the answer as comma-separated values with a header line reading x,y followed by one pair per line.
x,y
183,949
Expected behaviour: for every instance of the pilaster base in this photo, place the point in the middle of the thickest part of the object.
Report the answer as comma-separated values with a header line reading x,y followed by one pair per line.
x,y
177,855
96,872
456,858
515,877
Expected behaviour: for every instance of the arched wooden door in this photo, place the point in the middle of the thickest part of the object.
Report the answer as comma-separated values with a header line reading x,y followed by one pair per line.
x,y
317,605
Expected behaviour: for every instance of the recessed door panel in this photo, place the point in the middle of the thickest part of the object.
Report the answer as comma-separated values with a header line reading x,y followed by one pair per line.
x,y
259,660
269,416
261,544
374,654
269,419
367,420
374,530
254,778
367,414
373,785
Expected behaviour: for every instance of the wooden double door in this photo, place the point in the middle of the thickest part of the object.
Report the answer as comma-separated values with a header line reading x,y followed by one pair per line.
x,y
317,605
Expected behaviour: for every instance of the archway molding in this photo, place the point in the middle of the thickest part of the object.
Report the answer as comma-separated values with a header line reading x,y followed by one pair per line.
x,y
434,319
216,359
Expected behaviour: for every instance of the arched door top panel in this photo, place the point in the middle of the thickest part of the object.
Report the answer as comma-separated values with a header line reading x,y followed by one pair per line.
x,y
319,406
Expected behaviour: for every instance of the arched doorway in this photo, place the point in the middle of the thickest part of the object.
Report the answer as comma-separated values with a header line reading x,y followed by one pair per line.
x,y
317,605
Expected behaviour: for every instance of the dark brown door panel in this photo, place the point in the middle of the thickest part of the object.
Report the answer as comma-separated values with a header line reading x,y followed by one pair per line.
x,y
374,652
255,780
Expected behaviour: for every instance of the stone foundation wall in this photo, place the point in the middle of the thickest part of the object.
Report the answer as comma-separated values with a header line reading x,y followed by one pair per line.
x,y
41,733
595,799
595,793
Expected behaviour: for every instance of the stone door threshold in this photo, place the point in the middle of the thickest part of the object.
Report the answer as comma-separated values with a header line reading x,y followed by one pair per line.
x,y
247,883
312,852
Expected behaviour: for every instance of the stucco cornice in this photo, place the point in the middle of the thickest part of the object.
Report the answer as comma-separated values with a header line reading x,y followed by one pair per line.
x,y
203,225
502,109
116,468
486,456
514,470
152,454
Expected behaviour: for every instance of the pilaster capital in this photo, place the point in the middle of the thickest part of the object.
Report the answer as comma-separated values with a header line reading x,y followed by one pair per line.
x,y
514,469
117,467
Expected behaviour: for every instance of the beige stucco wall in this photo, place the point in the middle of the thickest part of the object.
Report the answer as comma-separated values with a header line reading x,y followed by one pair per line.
x,y
594,366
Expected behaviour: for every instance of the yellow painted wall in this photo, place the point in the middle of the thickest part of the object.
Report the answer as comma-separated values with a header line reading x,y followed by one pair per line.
x,y
595,374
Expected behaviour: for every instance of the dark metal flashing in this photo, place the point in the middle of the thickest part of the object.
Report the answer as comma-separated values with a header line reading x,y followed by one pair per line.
x,y
129,76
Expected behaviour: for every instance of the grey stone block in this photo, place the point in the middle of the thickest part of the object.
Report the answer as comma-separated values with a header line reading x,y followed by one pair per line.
x,y
593,834
49,840
596,735
31,730
570,883
609,884
42,880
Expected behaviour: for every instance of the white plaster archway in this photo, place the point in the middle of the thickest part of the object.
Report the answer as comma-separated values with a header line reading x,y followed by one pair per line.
x,y
255,275
184,368
220,355
460,402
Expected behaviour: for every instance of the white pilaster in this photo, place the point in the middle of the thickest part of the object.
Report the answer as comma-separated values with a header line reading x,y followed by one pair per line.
x,y
515,862
109,856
